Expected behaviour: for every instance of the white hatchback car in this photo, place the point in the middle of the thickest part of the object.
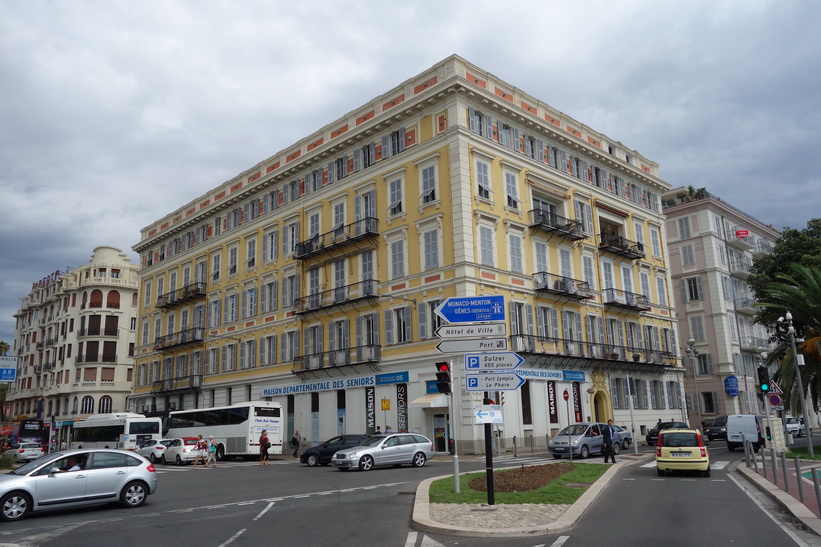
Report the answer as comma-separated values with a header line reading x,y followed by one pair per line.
x,y
153,449
181,450
25,452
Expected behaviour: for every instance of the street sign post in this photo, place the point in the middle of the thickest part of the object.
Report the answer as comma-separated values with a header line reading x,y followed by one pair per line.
x,y
468,330
498,361
472,309
476,344
487,414
775,400
774,389
493,381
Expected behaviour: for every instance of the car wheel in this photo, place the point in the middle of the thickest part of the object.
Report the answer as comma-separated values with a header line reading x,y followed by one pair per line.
x,y
660,472
625,444
419,459
152,458
178,461
557,456
15,506
730,447
134,494
616,448
706,473
313,460
162,459
366,463
584,452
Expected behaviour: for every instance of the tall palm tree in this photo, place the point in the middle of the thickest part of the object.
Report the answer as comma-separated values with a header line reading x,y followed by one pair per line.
x,y
799,293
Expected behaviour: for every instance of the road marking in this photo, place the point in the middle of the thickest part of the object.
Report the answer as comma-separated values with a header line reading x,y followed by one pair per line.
x,y
264,511
232,538
560,541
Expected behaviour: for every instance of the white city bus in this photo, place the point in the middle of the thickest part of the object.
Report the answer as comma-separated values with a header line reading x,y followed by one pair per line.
x,y
235,428
124,430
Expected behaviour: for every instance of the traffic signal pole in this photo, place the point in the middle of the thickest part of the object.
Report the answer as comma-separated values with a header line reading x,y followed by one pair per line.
x,y
453,420
489,457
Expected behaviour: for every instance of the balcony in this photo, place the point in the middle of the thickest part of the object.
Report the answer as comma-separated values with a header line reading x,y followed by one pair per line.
x,y
97,331
359,355
555,224
584,354
95,358
181,383
745,306
38,369
740,242
337,238
626,300
616,244
40,345
179,339
762,248
184,294
740,268
753,343
336,297
50,342
547,283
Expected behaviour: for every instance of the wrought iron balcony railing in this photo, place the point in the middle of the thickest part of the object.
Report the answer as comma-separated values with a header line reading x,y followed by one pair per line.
x,y
625,299
183,294
619,245
540,345
336,296
180,383
358,355
553,223
181,338
556,284
338,237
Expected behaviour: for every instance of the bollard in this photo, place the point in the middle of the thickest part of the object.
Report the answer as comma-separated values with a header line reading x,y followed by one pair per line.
x,y
755,461
815,484
532,448
775,466
763,463
515,455
798,478
784,470
747,455
547,442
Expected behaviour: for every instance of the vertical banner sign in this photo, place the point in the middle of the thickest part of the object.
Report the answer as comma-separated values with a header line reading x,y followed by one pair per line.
x,y
370,410
577,401
551,403
401,407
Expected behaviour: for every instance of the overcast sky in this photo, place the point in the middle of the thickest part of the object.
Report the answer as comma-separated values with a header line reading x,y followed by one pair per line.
x,y
115,113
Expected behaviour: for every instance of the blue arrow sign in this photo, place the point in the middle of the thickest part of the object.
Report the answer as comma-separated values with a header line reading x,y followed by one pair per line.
x,y
498,361
470,309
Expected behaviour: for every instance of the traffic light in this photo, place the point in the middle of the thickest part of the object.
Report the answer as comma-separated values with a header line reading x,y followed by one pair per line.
x,y
444,379
763,379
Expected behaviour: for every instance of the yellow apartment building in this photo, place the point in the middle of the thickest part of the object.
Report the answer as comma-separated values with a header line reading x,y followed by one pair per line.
x,y
313,277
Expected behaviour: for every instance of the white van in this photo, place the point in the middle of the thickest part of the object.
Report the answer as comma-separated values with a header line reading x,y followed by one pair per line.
x,y
739,425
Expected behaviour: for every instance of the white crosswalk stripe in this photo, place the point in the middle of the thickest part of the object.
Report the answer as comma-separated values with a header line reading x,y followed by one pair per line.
x,y
714,465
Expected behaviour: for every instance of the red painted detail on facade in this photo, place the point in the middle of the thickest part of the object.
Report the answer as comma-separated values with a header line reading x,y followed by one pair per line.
x,y
377,152
293,155
236,187
315,144
645,168
488,275
574,131
663,312
250,324
552,120
231,329
254,177
269,319
410,137
425,86
213,333
269,169
191,211
433,278
152,232
476,80
443,122
205,203
393,102
364,117
529,107
517,282
398,287
337,132
220,195
506,95
594,142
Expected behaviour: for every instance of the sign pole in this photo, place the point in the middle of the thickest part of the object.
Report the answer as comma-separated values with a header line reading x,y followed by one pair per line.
x,y
457,388
569,437
489,457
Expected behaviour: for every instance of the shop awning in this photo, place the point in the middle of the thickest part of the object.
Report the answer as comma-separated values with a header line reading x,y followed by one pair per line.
x,y
431,400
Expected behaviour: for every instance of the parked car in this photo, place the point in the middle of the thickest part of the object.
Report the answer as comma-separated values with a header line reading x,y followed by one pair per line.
x,y
741,426
181,450
795,426
25,452
681,450
718,429
625,438
652,436
153,449
394,449
102,476
580,439
322,453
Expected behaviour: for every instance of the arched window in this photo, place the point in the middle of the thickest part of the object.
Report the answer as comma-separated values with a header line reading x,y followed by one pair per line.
x,y
88,404
113,300
96,299
57,409
104,406
50,408
85,300
76,405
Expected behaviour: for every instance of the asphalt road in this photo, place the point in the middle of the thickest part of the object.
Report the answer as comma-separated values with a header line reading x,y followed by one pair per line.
x,y
285,504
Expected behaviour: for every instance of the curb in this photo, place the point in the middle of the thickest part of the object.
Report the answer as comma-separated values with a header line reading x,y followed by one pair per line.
x,y
798,510
421,510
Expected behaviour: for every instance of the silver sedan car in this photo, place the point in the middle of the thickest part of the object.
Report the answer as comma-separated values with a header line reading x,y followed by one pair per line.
x,y
75,478
394,449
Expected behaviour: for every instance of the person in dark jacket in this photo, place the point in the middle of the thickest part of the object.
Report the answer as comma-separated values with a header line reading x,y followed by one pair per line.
x,y
609,435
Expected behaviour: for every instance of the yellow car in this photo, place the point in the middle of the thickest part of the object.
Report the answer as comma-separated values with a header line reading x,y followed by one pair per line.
x,y
682,450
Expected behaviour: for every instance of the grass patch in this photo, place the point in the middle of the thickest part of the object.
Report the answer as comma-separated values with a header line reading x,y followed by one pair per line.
x,y
554,492
803,453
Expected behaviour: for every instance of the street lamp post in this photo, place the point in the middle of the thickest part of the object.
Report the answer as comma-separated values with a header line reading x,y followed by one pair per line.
x,y
787,320
692,353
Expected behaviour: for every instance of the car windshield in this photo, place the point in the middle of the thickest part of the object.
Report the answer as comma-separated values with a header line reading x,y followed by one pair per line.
x,y
576,429
34,464
792,420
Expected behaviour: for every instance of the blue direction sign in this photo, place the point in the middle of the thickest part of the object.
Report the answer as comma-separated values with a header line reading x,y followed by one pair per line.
x,y
471,309
499,361
493,381
8,368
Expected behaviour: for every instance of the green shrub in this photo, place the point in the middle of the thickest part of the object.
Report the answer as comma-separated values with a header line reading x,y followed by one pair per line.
x,y
6,461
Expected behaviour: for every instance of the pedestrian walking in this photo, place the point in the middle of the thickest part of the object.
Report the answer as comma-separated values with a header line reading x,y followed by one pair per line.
x,y
202,450
295,440
609,435
212,451
264,445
